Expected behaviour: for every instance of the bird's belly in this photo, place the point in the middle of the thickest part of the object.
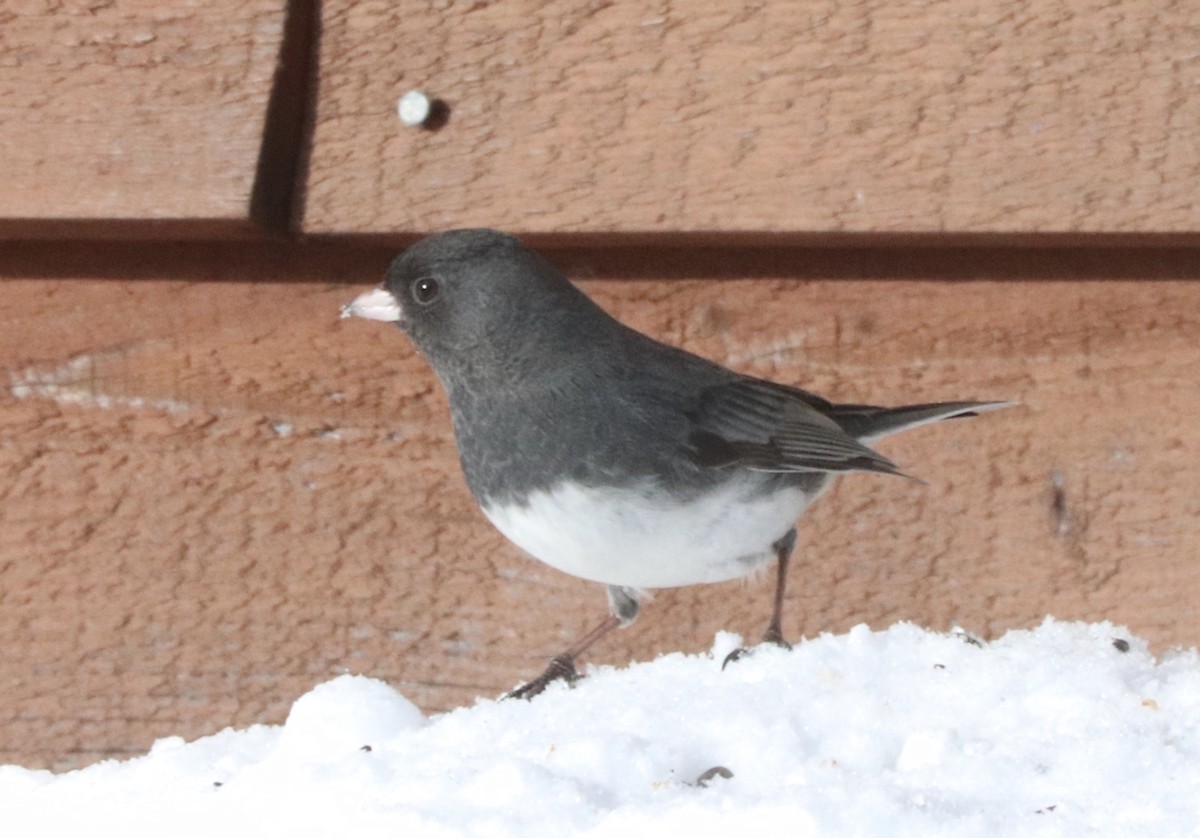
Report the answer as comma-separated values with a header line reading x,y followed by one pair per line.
x,y
643,539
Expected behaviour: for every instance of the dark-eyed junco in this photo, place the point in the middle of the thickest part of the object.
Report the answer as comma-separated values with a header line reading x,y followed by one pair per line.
x,y
605,453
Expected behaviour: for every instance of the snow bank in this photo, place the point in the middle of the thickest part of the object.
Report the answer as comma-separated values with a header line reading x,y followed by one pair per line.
x,y
1056,731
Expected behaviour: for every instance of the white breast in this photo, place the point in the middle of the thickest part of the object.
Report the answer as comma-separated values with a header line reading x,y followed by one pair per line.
x,y
639,539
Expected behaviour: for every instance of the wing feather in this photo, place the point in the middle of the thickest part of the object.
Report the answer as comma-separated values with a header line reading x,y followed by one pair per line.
x,y
766,427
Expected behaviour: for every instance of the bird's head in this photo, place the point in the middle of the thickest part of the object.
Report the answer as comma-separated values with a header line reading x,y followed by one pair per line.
x,y
475,297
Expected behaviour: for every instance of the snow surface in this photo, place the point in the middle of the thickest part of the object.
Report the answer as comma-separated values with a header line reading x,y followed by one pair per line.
x,y
1054,731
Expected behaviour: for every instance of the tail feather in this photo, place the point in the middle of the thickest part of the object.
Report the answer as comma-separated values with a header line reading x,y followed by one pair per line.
x,y
867,424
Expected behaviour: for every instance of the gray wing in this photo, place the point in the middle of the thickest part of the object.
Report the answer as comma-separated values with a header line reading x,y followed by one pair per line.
x,y
764,426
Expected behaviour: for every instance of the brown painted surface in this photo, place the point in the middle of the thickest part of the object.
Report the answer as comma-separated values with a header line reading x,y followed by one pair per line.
x,y
129,121
119,112
216,495
595,117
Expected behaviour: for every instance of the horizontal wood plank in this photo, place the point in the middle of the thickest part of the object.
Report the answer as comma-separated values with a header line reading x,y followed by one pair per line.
x,y
134,119
971,116
217,494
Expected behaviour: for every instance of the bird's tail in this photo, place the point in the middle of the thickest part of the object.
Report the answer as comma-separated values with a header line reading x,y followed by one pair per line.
x,y
868,424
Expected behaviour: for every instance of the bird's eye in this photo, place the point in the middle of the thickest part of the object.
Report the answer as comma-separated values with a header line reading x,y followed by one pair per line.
x,y
425,290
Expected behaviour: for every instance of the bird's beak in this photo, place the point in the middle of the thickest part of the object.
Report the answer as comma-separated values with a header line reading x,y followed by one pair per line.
x,y
378,304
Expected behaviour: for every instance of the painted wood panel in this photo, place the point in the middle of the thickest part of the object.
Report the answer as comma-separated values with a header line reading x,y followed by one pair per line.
x,y
579,116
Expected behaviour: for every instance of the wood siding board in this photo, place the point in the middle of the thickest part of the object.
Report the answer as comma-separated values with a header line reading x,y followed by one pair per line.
x,y
133,117
576,116
216,494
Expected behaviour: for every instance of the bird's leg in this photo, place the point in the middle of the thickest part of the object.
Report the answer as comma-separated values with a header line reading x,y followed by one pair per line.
x,y
623,605
562,667
783,558
774,635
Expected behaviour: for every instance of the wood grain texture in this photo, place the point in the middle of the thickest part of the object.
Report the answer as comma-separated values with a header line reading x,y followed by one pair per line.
x,y
135,119
969,116
214,495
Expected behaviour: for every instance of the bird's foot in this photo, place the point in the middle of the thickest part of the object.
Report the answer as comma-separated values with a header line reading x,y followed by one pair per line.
x,y
561,668
773,636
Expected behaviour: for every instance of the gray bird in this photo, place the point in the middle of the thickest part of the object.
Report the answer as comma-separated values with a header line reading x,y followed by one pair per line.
x,y
607,454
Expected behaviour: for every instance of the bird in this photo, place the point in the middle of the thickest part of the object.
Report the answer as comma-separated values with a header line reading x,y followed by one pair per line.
x,y
610,455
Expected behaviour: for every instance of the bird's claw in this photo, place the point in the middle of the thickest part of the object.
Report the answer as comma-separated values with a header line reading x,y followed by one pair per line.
x,y
772,637
561,668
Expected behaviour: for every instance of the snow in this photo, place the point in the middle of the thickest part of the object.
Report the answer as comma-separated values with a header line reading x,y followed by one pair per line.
x,y
1053,731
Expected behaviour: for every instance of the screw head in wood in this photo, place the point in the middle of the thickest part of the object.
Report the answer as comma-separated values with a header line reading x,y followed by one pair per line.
x,y
414,108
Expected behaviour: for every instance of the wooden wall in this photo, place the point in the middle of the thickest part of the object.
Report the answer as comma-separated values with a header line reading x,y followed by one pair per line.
x,y
215,494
